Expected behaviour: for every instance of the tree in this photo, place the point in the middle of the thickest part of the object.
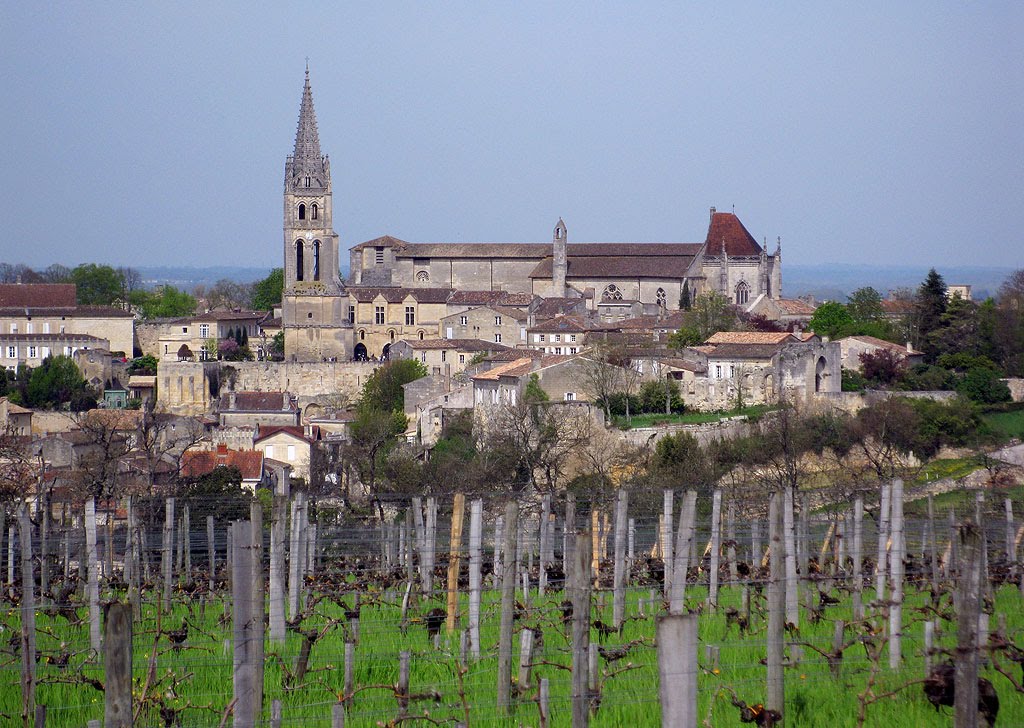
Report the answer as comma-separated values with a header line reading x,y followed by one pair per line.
x,y
164,302
685,300
56,273
383,390
831,319
144,365
883,366
56,382
225,294
374,433
681,462
887,433
656,394
712,312
268,292
533,393
97,285
865,305
984,386
957,330
929,306
218,493
1008,324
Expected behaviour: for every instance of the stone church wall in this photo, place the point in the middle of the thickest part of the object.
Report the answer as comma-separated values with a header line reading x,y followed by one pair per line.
x,y
308,381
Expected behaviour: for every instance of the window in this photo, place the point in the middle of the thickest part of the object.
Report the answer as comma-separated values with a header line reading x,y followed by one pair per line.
x,y
732,370
422,276
362,335
662,298
573,350
421,336
539,337
302,211
351,314
28,328
423,357
556,337
298,260
463,320
46,327
184,329
462,358
291,452
379,255
570,396
444,355
316,260
718,371
31,352
307,181
204,331
12,352
572,337
378,314
612,293
62,328
14,328
314,211
270,451
742,293
497,320
410,315
497,338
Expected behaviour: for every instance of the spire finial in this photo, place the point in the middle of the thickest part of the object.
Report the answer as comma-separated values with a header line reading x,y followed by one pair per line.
x,y
307,139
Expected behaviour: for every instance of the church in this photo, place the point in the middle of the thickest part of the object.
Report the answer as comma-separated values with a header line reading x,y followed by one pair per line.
x,y
325,317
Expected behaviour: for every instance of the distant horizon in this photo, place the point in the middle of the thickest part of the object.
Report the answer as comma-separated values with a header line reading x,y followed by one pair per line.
x,y
857,134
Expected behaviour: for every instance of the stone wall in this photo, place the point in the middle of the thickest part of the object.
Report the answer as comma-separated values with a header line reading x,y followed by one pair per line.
x,y
705,432
1016,389
311,382
853,402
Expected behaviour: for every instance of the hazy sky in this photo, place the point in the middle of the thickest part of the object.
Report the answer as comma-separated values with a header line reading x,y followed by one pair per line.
x,y
156,134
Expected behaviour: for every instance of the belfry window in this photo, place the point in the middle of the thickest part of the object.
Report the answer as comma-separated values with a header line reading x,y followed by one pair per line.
x,y
298,260
314,211
302,211
316,260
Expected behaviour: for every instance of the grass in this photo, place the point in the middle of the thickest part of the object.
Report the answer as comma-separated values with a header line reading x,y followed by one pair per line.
x,y
689,417
629,687
947,468
1008,424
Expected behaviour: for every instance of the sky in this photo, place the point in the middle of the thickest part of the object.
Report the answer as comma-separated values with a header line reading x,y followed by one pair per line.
x,y
148,134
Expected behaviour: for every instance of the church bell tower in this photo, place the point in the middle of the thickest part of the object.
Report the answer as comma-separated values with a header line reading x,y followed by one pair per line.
x,y
315,306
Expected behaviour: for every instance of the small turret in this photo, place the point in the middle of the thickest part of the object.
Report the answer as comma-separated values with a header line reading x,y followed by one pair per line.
x,y
560,265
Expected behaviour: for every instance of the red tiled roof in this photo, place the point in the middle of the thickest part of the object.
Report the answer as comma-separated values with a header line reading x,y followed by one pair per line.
x,y
725,226
750,337
559,324
794,307
200,462
37,295
265,431
68,311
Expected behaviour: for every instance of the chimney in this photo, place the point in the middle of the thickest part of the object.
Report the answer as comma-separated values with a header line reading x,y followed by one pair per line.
x,y
713,211
287,401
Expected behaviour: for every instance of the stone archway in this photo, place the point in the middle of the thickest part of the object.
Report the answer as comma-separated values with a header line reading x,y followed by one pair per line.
x,y
820,375
359,352
385,353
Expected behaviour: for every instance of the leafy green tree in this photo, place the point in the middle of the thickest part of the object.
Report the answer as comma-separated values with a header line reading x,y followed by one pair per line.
x,y
164,302
681,462
684,337
56,382
534,393
984,386
218,493
97,285
853,381
831,319
1008,326
654,393
143,365
713,312
268,292
383,390
865,305
927,378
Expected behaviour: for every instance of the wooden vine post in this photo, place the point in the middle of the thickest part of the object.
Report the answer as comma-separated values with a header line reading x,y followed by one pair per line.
x,y
965,709
580,595
454,553
28,619
508,589
776,694
117,665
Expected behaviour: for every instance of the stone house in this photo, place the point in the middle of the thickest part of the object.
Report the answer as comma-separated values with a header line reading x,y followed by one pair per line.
x,y
15,419
561,377
495,323
252,409
250,463
787,311
853,346
30,349
444,356
560,335
382,316
296,446
164,338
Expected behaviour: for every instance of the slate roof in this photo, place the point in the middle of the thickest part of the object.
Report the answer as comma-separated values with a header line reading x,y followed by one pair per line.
x,y
490,298
37,295
560,324
397,294
76,311
256,402
228,316
456,344
70,338
265,431
633,261
725,226
550,307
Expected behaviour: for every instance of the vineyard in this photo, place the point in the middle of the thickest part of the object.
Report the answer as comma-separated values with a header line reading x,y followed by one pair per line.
x,y
530,613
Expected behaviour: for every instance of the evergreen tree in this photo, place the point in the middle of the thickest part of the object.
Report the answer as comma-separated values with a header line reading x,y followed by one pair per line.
x,y
684,297
929,306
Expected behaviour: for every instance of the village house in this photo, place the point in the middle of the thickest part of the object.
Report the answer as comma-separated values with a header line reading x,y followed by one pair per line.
x,y
560,335
294,445
498,324
170,339
442,356
853,346
251,409
250,463
382,316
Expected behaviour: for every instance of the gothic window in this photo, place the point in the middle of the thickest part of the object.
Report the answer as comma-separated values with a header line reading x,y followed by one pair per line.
x,y
612,293
351,314
662,298
314,211
302,211
742,293
316,260
298,260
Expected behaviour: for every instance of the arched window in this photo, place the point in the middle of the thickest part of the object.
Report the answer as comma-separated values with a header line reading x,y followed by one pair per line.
x,y
302,211
421,336
316,260
362,335
391,334
314,211
612,293
742,293
662,298
298,260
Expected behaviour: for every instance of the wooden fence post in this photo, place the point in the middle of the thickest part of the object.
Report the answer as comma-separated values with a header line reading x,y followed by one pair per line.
x,y
92,564
28,619
684,541
508,587
454,556
580,595
896,576
256,584
278,535
166,555
677,670
243,662
881,568
619,575
666,539
965,709
790,542
776,695
858,558
716,547
117,666
475,569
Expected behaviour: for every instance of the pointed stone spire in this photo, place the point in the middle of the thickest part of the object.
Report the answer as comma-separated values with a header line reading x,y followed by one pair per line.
x,y
307,138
